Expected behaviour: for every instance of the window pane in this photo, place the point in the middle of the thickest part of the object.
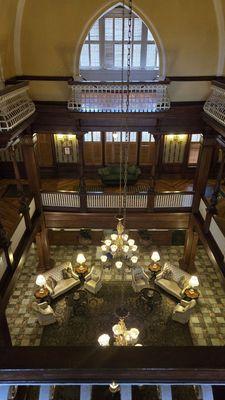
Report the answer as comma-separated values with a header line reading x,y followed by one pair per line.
x,y
137,55
84,58
133,136
118,55
157,59
150,37
126,28
116,136
108,136
108,28
152,139
137,28
151,56
96,136
145,136
194,153
94,32
88,137
118,29
95,62
196,137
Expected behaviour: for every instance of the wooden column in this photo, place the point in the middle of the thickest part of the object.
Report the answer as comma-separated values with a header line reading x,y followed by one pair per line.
x,y
29,141
103,148
16,169
186,155
5,338
138,147
203,169
155,167
190,248
5,246
150,199
211,209
43,250
83,193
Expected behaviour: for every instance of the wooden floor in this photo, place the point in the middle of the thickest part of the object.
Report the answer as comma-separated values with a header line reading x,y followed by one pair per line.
x,y
9,214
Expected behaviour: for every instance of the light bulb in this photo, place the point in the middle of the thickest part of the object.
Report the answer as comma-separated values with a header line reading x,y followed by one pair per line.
x,y
113,248
114,236
134,332
155,256
117,330
80,258
194,282
104,247
131,242
125,248
104,339
108,242
119,264
125,237
103,258
134,259
134,247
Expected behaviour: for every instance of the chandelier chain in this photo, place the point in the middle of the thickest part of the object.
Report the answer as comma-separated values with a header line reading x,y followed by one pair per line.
x,y
127,135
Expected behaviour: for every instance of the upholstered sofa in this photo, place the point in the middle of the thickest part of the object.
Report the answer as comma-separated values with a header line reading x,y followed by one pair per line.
x,y
61,284
173,280
111,175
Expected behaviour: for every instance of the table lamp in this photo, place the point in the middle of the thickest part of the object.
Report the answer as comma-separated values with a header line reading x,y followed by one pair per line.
x,y
155,257
41,281
193,282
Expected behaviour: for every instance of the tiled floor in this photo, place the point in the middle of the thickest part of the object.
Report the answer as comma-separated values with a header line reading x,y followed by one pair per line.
x,y
207,324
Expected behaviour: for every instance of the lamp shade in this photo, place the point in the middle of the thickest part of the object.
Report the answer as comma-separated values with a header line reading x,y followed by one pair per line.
x,y
134,259
125,237
80,258
104,339
40,281
113,248
103,258
194,282
114,236
134,332
108,242
134,247
104,247
125,248
131,242
155,256
119,264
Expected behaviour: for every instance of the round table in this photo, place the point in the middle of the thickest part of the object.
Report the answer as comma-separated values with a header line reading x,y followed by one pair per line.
x,y
191,294
42,295
80,302
81,271
154,269
150,297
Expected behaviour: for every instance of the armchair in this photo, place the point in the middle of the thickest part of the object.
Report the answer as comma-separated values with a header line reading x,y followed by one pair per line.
x,y
183,310
140,279
93,281
45,313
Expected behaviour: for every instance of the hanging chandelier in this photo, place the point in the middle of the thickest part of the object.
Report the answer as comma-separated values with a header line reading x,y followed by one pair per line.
x,y
119,248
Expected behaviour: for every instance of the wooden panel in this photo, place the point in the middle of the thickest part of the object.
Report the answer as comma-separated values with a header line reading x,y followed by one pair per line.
x,y
112,152
106,221
44,150
93,153
147,153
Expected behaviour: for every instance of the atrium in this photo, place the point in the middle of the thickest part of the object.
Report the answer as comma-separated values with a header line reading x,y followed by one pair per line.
x,y
112,199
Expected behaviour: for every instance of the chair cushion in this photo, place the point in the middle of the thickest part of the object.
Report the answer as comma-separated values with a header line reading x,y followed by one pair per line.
x,y
51,283
66,273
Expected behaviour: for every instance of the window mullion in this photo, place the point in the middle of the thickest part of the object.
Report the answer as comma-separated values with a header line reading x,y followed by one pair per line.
x,y
144,34
102,42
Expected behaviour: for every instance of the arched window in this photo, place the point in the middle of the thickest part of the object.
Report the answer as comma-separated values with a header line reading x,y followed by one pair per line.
x,y
102,52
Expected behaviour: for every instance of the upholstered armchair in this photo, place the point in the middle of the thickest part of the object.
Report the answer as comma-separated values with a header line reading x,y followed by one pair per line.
x,y
183,310
140,279
45,313
93,280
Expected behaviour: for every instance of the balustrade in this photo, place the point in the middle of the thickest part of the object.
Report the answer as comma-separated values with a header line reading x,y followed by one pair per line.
x,y
111,97
107,201
15,106
215,104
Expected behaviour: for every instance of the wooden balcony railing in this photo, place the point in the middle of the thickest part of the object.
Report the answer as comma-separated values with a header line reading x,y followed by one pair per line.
x,y
215,104
111,97
15,106
93,201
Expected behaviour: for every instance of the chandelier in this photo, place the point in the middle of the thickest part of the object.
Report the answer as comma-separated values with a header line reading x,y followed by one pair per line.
x,y
121,336
119,248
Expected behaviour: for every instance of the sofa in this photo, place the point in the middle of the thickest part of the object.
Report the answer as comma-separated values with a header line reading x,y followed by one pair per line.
x,y
111,175
60,279
173,280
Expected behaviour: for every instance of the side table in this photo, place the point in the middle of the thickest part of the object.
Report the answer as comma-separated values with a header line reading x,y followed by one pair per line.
x,y
190,294
154,269
81,271
42,295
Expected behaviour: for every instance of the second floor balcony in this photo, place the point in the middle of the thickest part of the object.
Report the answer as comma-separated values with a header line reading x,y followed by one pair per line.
x,y
112,97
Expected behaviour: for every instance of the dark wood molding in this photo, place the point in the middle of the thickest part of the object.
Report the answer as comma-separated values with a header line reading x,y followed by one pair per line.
x,y
123,364
69,78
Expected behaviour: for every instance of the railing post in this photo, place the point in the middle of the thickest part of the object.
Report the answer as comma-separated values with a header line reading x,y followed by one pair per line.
x,y
211,209
24,209
150,199
43,250
190,248
5,246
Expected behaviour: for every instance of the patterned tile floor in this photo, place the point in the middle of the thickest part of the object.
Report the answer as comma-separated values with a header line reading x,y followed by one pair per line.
x,y
207,324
